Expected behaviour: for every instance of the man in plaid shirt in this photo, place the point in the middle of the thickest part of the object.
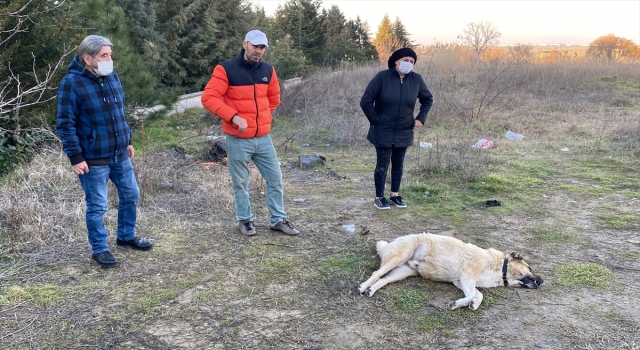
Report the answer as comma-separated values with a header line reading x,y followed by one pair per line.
x,y
96,137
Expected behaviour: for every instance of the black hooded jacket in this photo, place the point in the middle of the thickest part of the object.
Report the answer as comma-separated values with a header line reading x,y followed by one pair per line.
x,y
389,102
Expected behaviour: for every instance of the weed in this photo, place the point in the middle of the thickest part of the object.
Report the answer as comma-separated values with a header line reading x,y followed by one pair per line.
x,y
278,270
336,267
620,221
409,301
43,296
590,275
432,323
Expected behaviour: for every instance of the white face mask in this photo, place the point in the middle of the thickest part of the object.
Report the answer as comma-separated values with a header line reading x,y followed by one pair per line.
x,y
104,68
405,67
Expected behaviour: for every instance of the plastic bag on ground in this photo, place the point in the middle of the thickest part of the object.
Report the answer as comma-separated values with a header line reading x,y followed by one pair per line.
x,y
483,144
513,136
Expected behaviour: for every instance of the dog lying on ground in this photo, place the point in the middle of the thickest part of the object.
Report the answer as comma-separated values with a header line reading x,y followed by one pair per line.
x,y
448,259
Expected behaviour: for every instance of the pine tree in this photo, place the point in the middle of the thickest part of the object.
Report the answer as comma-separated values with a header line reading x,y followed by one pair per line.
x,y
359,35
288,61
301,20
138,78
385,41
147,41
401,34
200,34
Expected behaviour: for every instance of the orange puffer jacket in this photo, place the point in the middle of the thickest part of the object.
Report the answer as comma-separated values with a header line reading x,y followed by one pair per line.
x,y
248,90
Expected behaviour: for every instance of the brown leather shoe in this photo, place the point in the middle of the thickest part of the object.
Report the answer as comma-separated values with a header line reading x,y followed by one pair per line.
x,y
247,228
285,227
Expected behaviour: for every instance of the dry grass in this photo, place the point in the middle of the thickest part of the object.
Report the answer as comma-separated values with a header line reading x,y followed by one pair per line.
x,y
205,286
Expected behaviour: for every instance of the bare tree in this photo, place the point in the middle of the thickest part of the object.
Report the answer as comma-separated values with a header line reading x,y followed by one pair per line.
x,y
612,48
479,36
13,90
521,52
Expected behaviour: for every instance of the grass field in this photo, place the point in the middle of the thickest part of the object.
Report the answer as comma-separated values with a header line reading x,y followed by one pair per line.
x,y
569,204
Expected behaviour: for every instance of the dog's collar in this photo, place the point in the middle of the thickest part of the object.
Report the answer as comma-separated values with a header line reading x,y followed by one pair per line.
x,y
504,271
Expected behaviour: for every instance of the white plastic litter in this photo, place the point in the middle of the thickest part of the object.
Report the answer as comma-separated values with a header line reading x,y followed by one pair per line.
x,y
513,136
483,144
564,149
425,145
349,227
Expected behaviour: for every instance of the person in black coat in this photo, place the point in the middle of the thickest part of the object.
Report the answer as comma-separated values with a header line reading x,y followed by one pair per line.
x,y
389,102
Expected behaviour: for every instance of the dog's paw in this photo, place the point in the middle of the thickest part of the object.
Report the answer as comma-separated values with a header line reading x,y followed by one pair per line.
x,y
474,305
452,305
362,288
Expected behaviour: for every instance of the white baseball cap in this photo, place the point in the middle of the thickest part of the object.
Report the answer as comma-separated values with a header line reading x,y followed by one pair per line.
x,y
257,37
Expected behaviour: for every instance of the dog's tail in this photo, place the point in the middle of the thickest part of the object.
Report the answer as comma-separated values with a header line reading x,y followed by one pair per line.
x,y
380,244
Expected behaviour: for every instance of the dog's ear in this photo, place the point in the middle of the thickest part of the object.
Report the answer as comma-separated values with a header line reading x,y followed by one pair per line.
x,y
516,256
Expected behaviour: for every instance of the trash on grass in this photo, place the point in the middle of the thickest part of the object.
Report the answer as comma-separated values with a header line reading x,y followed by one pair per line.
x,y
513,136
349,227
425,145
483,144
564,149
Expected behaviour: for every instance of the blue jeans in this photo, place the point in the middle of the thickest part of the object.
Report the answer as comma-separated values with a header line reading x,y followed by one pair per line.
x,y
261,151
94,184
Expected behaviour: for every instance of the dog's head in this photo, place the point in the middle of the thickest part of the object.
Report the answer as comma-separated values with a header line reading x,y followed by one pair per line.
x,y
518,269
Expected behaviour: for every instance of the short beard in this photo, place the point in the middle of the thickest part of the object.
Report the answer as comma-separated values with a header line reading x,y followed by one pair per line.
x,y
247,58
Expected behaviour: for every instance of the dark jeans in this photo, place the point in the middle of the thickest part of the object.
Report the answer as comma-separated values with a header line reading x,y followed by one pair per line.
x,y
392,154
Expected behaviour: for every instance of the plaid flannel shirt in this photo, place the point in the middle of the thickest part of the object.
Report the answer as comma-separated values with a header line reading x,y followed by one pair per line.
x,y
90,115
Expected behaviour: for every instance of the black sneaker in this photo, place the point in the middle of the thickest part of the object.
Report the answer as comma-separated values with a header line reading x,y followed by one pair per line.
x,y
135,243
105,259
381,203
397,200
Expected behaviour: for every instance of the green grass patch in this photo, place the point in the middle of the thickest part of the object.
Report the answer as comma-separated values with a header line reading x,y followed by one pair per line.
x,y
445,320
340,266
168,132
409,301
165,138
278,269
532,169
150,301
630,254
619,221
42,296
587,275
432,323
551,235
494,295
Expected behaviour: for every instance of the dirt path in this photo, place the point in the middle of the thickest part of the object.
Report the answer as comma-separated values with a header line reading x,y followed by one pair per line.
x,y
204,286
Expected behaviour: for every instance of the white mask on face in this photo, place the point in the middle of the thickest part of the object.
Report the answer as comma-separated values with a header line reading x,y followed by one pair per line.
x,y
405,67
104,68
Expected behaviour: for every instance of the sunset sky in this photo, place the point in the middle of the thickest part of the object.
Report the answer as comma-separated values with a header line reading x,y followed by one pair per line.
x,y
526,22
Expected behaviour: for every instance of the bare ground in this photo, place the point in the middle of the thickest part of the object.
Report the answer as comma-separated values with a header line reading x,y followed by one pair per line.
x,y
204,286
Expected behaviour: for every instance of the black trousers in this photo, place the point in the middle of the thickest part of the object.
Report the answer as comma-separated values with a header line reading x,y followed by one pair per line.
x,y
386,155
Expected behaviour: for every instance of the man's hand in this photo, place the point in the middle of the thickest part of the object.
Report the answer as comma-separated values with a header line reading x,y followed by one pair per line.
x,y
416,124
81,168
130,151
240,122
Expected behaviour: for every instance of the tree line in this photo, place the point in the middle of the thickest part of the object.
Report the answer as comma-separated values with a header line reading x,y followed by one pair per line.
x,y
165,48
162,49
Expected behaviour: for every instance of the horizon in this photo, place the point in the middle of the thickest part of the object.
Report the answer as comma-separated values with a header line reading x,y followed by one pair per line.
x,y
555,22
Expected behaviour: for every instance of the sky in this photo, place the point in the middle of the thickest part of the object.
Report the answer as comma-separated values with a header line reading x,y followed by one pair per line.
x,y
520,22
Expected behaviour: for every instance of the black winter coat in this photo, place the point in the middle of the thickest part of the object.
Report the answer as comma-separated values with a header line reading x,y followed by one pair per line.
x,y
389,102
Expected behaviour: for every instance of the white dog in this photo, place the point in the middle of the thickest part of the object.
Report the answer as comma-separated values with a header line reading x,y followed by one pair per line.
x,y
447,259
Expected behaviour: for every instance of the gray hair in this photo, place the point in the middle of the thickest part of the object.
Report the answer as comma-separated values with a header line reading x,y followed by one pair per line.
x,y
91,45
